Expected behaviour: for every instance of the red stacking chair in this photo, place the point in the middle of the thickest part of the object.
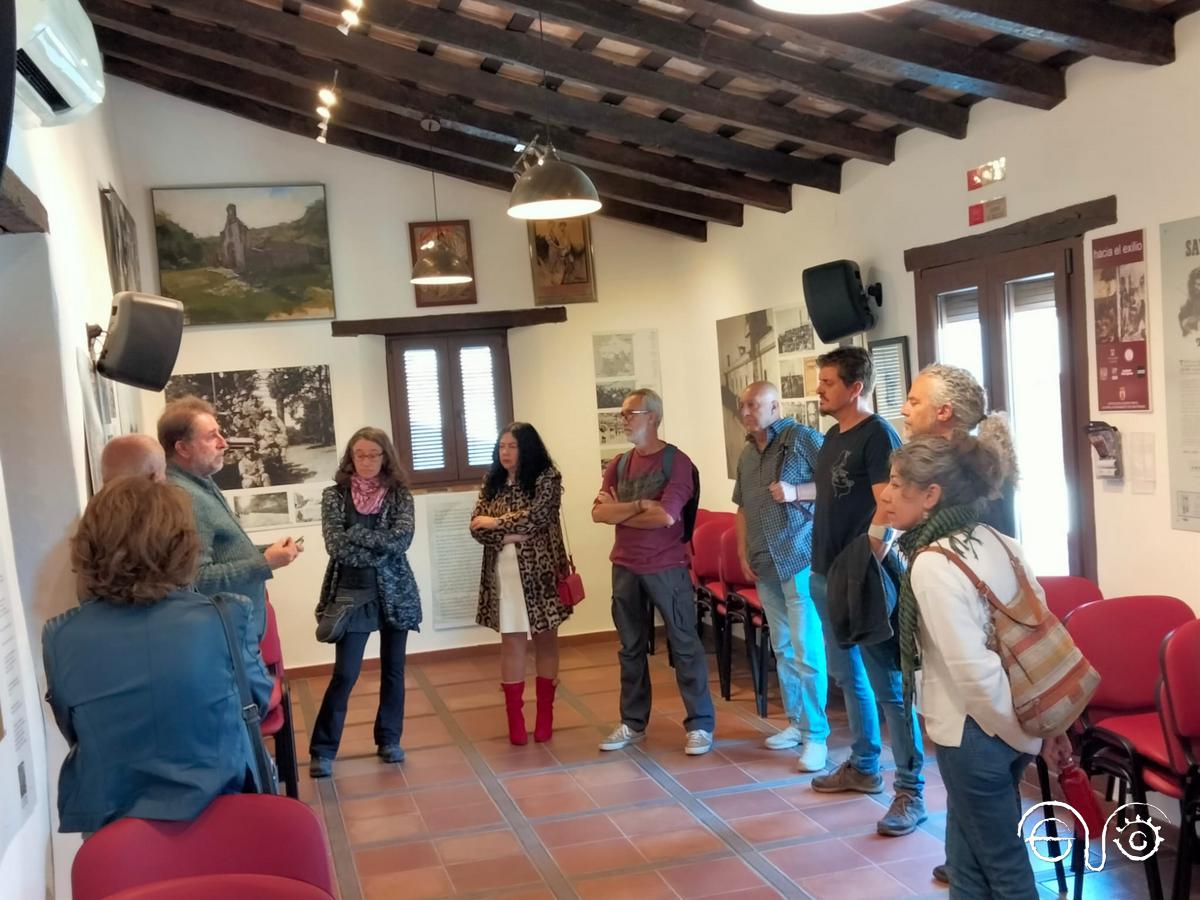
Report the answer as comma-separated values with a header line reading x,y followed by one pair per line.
x,y
277,717
741,604
238,834
1180,714
224,887
706,571
1122,732
1065,592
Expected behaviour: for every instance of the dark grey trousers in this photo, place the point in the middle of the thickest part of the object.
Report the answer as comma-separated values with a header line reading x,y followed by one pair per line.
x,y
672,594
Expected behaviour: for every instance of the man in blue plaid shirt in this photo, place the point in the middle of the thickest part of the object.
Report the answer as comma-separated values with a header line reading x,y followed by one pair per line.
x,y
774,492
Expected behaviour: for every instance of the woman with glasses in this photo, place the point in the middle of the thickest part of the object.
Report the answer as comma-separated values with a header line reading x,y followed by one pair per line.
x,y
516,520
367,520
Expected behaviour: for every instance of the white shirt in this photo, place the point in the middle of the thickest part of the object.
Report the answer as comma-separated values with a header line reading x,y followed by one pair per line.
x,y
959,675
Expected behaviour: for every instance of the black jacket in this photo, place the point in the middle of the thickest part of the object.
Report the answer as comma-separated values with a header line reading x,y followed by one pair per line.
x,y
862,594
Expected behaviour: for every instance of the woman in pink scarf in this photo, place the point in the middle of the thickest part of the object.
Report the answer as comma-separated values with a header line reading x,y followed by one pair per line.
x,y
367,521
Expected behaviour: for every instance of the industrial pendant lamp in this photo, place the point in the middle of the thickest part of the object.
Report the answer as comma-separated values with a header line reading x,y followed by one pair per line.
x,y
437,263
825,7
547,187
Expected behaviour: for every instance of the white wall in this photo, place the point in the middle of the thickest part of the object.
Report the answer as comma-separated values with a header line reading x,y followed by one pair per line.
x,y
646,279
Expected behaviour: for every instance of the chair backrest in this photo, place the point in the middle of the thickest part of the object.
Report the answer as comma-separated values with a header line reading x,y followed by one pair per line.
x,y
1180,713
236,834
731,566
706,547
269,646
1121,637
1065,592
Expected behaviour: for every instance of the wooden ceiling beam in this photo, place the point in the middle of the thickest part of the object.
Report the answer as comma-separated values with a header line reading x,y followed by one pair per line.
x,y
1090,27
283,120
904,52
711,50
565,112
393,127
782,123
273,61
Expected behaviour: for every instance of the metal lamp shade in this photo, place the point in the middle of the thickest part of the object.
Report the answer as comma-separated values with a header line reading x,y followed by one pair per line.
x,y
440,265
825,7
553,189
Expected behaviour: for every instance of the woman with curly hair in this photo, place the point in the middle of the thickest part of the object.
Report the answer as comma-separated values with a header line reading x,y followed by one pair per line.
x,y
367,520
516,520
140,675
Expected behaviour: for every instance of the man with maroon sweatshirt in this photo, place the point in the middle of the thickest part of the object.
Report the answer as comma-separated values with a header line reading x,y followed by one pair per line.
x,y
643,495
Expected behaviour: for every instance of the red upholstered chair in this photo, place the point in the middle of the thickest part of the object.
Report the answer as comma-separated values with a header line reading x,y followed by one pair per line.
x,y
1179,711
1123,737
1065,592
277,717
238,834
224,887
741,604
706,570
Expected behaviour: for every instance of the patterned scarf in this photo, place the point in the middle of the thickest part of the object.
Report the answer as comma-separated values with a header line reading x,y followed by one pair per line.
x,y
367,493
955,523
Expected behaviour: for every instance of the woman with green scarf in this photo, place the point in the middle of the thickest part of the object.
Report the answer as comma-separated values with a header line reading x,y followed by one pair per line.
x,y
938,488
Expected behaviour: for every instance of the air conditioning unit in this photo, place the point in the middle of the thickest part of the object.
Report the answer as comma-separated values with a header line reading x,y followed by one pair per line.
x,y
60,75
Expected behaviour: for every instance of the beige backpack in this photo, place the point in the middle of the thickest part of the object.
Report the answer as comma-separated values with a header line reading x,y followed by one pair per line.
x,y
1051,680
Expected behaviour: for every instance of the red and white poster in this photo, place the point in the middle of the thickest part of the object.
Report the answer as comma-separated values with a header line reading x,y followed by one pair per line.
x,y
1119,279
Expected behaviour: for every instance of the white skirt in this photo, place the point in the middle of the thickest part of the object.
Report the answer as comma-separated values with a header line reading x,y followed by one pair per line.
x,y
514,614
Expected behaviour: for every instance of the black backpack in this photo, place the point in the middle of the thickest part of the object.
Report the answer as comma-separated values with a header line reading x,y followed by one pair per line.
x,y
693,503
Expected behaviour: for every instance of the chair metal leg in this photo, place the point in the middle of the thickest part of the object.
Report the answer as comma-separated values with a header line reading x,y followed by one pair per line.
x,y
1138,790
750,633
724,661
1187,848
1078,858
1052,828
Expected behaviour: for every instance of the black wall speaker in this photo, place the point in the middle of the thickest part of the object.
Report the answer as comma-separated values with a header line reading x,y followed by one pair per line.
x,y
143,340
837,303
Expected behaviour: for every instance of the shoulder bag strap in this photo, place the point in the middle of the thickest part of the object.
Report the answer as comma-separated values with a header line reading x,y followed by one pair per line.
x,y
250,713
984,591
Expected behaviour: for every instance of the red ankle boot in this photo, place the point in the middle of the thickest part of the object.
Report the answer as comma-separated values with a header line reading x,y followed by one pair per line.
x,y
514,707
544,724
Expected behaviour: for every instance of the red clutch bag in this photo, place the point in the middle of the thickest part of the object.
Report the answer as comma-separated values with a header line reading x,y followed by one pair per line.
x,y
570,586
1077,790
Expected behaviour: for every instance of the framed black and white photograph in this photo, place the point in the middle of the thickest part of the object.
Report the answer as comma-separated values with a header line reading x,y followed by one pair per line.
x,y
279,423
120,242
892,377
264,510
611,394
613,355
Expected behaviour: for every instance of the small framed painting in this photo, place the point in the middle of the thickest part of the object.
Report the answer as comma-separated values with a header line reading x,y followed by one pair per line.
x,y
458,235
561,261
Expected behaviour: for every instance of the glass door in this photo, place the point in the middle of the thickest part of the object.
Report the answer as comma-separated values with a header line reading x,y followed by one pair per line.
x,y
1008,320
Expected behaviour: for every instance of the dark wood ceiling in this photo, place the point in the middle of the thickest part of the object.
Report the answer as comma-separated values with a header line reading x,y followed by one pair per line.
x,y
681,111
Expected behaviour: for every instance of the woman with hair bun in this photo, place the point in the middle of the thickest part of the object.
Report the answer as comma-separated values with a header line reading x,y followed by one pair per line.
x,y
937,493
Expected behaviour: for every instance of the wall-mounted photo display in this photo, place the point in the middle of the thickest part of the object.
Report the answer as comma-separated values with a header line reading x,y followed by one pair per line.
x,y
120,242
621,361
561,260
279,424
457,235
244,254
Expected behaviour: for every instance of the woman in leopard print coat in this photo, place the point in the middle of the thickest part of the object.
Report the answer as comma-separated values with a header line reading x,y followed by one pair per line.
x,y
517,520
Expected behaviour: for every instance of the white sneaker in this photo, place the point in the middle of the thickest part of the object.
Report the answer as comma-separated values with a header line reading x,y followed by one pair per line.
x,y
813,757
698,743
622,736
785,740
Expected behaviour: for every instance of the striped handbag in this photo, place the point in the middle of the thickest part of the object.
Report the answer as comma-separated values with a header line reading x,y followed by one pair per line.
x,y
1051,679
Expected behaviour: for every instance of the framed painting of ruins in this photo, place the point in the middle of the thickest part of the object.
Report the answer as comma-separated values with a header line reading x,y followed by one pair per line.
x,y
244,253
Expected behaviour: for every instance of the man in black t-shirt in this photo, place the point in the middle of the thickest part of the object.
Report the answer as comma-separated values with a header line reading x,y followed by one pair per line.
x,y
852,471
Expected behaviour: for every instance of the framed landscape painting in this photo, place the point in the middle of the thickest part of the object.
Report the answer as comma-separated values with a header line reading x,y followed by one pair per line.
x,y
244,254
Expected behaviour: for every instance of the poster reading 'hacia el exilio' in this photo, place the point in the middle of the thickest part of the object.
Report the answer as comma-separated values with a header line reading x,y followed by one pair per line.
x,y
1119,280
1181,351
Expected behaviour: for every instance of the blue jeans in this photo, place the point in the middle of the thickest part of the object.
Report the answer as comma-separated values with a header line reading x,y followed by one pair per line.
x,y
865,672
799,652
986,855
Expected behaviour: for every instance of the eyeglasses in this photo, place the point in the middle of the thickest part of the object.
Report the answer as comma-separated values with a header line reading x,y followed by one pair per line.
x,y
630,413
368,456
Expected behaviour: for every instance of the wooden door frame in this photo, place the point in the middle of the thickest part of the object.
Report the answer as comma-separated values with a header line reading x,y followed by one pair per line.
x,y
1062,231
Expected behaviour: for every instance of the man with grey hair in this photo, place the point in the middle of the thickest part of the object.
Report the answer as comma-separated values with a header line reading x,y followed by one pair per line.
x,y
644,493
946,399
138,455
773,491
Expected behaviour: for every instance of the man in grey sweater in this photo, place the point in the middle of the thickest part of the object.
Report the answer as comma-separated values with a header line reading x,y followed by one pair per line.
x,y
229,560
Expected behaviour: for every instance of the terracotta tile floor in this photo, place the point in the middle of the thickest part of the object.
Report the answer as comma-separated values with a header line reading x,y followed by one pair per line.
x,y
467,814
